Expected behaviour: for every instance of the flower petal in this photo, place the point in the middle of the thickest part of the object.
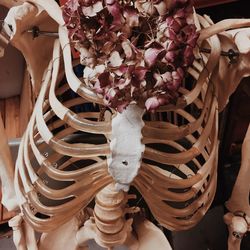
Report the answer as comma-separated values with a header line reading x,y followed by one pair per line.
x,y
92,10
115,59
131,16
127,49
154,102
104,79
153,54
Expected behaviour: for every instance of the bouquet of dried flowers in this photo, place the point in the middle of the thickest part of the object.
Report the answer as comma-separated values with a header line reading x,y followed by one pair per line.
x,y
134,51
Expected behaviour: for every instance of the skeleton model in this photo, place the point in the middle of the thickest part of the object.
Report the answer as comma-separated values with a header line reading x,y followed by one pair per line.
x,y
70,157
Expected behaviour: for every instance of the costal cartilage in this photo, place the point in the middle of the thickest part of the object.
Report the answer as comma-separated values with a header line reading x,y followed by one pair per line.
x,y
126,147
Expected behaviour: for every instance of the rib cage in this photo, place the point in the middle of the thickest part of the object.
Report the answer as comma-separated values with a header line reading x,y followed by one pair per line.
x,y
178,186
178,178
82,184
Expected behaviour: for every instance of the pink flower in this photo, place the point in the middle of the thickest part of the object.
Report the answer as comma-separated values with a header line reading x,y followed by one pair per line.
x,y
188,56
91,8
177,78
131,16
173,24
193,35
133,53
154,102
72,5
88,2
172,55
135,74
154,53
127,48
172,45
146,7
169,33
115,10
110,2
104,79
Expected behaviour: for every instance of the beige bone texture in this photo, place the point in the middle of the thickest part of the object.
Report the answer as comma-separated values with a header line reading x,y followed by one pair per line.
x,y
63,237
66,158
23,234
18,22
108,227
229,75
150,236
238,218
40,135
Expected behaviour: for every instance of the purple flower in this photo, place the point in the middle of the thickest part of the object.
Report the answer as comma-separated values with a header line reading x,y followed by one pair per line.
x,y
171,56
154,53
115,10
91,9
72,5
88,3
137,53
188,56
152,103
131,16
177,78
104,79
173,24
134,74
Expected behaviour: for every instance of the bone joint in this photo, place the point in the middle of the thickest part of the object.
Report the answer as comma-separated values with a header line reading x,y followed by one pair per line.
x,y
238,218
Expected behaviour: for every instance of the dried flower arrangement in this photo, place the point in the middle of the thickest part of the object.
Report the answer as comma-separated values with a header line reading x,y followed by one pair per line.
x,y
133,50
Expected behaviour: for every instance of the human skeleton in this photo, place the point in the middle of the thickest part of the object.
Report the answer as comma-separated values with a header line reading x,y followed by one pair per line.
x,y
176,180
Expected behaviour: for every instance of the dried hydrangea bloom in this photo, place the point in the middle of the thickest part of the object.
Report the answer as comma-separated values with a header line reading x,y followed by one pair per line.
x,y
133,51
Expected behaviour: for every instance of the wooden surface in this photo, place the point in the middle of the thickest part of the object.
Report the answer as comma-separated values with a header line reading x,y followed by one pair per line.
x,y
26,102
5,215
10,114
15,112
12,119
9,106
